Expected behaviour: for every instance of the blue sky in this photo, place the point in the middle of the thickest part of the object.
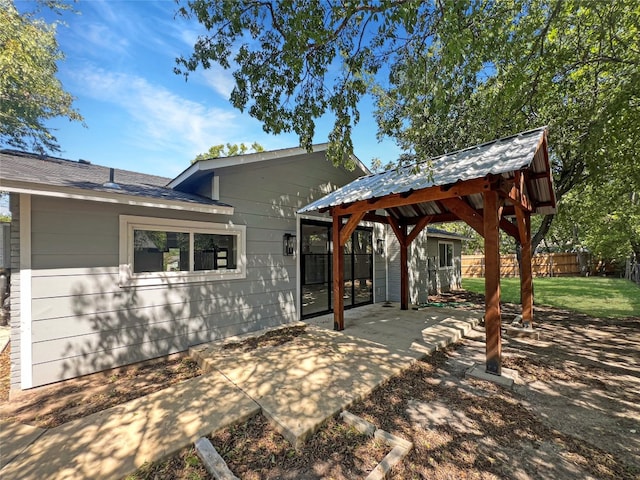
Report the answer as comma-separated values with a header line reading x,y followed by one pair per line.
x,y
139,114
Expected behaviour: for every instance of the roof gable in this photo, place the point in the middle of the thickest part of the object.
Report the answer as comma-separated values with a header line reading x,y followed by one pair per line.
x,y
45,175
201,169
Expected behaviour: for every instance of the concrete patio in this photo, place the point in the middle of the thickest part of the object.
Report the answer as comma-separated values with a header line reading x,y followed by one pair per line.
x,y
297,385
300,384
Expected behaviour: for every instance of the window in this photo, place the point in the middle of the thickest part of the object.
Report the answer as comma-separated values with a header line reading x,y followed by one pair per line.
x,y
445,251
155,250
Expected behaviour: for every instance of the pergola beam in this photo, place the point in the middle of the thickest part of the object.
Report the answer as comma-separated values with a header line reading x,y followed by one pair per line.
x,y
418,227
514,192
460,189
508,211
464,212
397,230
349,227
509,228
374,217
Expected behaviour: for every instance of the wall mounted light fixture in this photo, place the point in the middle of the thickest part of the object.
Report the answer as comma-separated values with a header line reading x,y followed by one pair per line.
x,y
380,246
288,244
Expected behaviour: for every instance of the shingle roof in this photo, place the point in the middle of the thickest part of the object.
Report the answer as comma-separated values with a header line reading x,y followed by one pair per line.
x,y
502,156
438,232
27,168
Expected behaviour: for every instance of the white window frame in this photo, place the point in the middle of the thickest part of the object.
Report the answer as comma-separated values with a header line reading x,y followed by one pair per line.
x,y
129,223
446,267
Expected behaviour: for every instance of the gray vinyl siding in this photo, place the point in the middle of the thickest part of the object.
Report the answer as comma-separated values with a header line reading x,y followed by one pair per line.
x,y
379,265
393,264
436,284
83,321
425,276
5,245
457,259
14,376
419,269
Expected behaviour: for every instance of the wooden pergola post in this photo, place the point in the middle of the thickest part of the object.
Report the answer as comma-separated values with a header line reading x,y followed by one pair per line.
x,y
337,275
526,275
492,319
340,234
404,239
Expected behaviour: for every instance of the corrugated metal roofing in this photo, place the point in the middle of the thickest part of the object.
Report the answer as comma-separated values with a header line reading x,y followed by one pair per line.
x,y
57,172
499,157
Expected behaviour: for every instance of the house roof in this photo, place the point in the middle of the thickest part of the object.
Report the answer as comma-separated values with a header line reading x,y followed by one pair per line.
x,y
499,158
24,172
202,168
437,232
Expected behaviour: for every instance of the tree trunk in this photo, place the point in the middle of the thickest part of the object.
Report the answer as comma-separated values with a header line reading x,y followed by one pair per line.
x,y
541,233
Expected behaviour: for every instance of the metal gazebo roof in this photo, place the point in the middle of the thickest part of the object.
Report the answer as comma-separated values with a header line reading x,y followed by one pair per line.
x,y
499,159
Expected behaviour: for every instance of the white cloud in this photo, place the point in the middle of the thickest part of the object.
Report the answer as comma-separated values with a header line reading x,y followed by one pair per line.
x,y
100,38
220,80
163,119
106,11
215,76
187,36
116,26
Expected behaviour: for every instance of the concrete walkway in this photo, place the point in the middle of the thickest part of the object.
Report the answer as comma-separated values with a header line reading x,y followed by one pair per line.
x,y
297,385
117,441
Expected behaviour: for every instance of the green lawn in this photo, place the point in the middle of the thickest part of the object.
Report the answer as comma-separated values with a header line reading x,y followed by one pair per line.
x,y
595,296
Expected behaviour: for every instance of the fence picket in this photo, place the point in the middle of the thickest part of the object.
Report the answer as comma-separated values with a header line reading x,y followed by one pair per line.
x,y
542,265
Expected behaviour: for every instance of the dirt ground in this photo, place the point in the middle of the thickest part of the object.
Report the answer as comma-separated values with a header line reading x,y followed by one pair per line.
x,y
53,405
575,413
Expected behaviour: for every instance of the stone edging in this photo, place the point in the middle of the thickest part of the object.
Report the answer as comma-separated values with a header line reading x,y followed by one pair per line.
x,y
401,447
217,467
212,460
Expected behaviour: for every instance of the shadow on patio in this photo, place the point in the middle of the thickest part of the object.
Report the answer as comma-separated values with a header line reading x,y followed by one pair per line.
x,y
303,382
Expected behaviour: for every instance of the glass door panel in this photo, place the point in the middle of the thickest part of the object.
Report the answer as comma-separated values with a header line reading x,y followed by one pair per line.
x,y
316,265
315,269
363,279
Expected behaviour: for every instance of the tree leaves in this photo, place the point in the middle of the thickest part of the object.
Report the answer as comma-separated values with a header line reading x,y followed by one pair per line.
x,y
229,150
297,61
30,93
445,74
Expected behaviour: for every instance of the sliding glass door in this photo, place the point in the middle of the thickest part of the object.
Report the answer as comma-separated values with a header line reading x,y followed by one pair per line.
x,y
316,261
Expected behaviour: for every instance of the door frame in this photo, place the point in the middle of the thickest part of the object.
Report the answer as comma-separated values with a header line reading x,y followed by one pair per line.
x,y
300,267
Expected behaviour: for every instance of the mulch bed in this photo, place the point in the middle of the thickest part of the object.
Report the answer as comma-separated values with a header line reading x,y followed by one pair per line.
x,y
254,450
272,338
53,405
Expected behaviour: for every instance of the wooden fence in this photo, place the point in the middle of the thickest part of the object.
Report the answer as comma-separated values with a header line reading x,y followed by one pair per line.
x,y
544,265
